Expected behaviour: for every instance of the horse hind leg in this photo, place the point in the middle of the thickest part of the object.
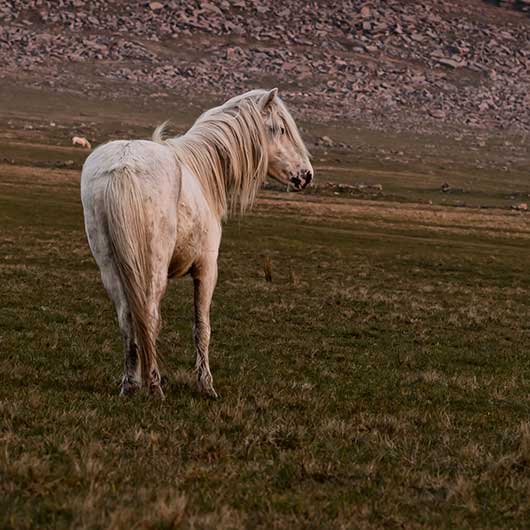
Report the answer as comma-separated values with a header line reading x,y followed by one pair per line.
x,y
131,380
132,375
155,379
158,288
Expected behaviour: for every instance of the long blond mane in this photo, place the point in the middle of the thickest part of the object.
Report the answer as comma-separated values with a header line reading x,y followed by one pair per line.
x,y
226,148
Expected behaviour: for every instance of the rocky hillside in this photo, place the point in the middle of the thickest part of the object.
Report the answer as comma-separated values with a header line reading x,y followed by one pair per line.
x,y
385,63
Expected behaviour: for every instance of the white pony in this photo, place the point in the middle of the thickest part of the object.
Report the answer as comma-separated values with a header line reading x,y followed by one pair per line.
x,y
153,210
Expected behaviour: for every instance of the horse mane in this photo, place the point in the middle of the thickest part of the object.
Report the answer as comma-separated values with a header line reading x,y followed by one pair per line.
x,y
226,148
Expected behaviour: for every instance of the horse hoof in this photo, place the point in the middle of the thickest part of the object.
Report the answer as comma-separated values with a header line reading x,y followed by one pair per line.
x,y
208,391
211,394
157,392
129,389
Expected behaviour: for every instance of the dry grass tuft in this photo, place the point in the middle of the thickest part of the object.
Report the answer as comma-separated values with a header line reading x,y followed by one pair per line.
x,y
462,493
519,459
267,268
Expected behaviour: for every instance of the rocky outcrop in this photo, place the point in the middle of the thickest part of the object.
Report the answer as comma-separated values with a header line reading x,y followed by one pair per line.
x,y
387,62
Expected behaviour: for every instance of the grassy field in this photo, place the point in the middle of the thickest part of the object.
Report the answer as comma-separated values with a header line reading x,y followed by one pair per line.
x,y
380,380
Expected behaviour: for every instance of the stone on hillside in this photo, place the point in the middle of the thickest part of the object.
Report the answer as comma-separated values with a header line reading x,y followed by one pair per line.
x,y
326,141
439,114
451,62
366,11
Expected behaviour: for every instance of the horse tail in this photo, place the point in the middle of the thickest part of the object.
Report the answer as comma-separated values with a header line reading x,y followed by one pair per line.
x,y
129,241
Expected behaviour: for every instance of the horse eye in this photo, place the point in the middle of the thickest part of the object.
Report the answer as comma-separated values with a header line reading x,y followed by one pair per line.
x,y
277,130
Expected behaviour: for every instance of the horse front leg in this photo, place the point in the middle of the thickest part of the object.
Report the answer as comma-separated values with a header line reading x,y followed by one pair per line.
x,y
204,280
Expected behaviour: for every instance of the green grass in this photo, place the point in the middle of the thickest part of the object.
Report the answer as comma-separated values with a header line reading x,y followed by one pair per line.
x,y
380,380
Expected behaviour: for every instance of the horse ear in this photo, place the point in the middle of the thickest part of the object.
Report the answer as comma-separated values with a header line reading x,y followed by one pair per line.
x,y
269,97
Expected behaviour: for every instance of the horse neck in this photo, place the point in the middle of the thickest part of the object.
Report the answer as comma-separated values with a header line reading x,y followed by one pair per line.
x,y
229,177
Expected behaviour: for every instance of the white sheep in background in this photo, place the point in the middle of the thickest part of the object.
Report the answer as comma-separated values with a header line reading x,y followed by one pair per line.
x,y
81,142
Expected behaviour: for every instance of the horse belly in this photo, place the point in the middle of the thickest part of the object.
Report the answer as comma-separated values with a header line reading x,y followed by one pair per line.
x,y
198,230
188,242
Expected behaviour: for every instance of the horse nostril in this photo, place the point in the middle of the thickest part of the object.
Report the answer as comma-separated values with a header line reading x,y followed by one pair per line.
x,y
296,181
308,177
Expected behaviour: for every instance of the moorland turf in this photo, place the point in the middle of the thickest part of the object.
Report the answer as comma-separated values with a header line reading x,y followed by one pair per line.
x,y
380,380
